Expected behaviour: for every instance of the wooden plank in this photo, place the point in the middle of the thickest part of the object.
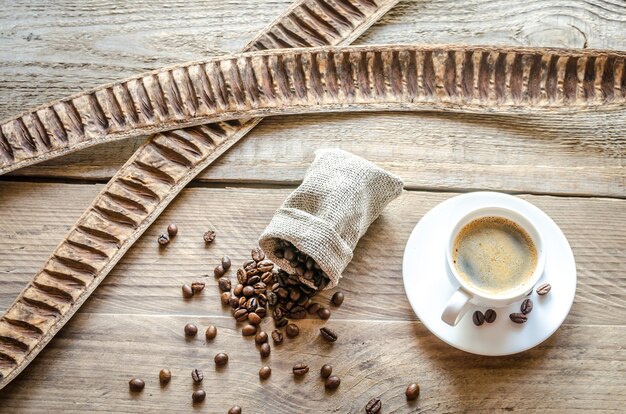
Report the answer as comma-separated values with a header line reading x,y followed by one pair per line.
x,y
88,366
149,278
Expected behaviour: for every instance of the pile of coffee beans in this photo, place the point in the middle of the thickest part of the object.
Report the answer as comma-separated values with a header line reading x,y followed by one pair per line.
x,y
303,265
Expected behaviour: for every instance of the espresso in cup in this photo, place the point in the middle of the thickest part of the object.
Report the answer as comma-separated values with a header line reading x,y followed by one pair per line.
x,y
494,254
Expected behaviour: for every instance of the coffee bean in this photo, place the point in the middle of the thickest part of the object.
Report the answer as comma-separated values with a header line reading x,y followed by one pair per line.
x,y
257,254
225,298
226,262
238,289
281,322
221,359
248,291
265,350
197,375
197,287
278,314
292,330
478,318
211,332
219,271
252,304
518,317
337,298
261,311
172,230
198,396
187,291
241,314
373,406
191,329
272,299
332,382
527,306
165,376
267,278
297,312
300,369
265,372
234,302
242,277
235,409
326,371
163,239
543,289
260,338
313,308
323,313
248,330
209,236
279,253
277,336
136,384
290,254
253,280
254,319
265,266
242,302
490,316
224,284
412,392
328,334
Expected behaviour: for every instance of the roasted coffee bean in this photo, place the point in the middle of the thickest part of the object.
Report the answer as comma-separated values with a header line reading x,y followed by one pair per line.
x,y
300,369
221,359
289,305
277,336
257,254
165,376
261,310
259,288
310,264
527,306
225,298
172,230
262,301
272,299
265,372
297,312
252,304
248,291
265,350
337,298
197,375
209,236
543,289
302,258
478,318
226,262
163,239
323,313
242,301
281,322
326,370
254,319
224,284
265,266
332,382
412,392
518,317
292,330
219,271
191,329
490,316
294,294
238,289
211,332
278,313
313,308
290,254
241,314
234,302
187,291
248,330
260,337
267,278
282,293
373,406
242,277
299,270
198,396
136,384
253,280
328,334
197,286
279,253
235,409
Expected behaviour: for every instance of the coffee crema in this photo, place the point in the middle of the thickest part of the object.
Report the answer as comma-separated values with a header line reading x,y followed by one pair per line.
x,y
494,254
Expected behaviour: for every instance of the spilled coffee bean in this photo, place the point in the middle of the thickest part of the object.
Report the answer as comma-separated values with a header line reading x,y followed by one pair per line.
x,y
326,370
235,409
332,382
328,334
248,330
221,359
136,384
478,318
209,236
313,308
172,230
265,350
300,369
165,376
518,317
543,289
490,316
225,298
265,372
187,291
197,375
373,406
257,254
260,338
197,287
191,329
292,330
277,336
163,239
226,262
211,332
198,396
337,298
224,284
412,392
323,313
527,306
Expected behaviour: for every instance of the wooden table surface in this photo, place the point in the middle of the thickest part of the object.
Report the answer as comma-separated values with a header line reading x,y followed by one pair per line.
x,y
572,167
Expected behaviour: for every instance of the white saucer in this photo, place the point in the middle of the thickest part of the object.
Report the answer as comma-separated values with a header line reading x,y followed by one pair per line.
x,y
429,284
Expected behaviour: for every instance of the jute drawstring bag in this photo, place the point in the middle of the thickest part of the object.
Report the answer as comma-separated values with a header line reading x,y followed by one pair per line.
x,y
324,218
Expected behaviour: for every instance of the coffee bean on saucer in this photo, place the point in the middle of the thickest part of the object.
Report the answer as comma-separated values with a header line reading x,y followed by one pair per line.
x,y
191,329
328,334
248,330
326,370
337,298
198,396
527,306
323,313
332,382
136,384
221,359
373,406
197,375
211,332
300,369
265,350
518,317
260,338
187,291
412,392
292,330
226,262
277,336
543,289
478,318
235,409
490,316
265,372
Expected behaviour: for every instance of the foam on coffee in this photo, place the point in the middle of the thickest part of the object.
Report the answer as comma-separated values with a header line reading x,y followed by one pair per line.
x,y
494,254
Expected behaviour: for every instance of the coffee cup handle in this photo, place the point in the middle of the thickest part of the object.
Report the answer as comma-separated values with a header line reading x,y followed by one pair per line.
x,y
456,307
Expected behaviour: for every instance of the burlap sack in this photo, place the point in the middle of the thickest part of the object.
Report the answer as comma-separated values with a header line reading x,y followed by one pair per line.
x,y
340,196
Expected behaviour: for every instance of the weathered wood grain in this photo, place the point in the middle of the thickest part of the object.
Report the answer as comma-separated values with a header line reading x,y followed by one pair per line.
x,y
148,279
94,356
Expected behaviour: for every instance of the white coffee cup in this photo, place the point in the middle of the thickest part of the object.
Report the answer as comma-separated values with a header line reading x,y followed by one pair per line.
x,y
466,295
